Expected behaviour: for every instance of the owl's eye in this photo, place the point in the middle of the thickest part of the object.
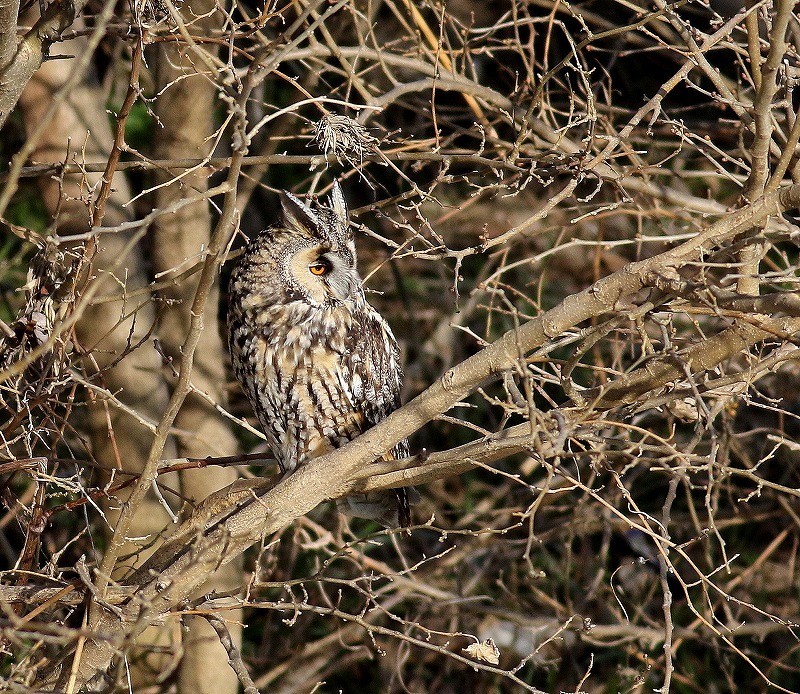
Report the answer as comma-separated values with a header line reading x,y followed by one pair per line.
x,y
320,267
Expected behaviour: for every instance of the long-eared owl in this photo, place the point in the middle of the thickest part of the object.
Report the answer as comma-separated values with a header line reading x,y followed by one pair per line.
x,y
317,362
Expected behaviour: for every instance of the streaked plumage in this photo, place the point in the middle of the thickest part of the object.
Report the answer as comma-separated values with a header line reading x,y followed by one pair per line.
x,y
317,362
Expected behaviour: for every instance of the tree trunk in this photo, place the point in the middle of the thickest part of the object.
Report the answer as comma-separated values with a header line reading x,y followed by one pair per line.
x,y
185,110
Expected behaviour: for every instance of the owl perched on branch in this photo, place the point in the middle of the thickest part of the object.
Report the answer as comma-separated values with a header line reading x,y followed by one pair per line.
x,y
317,362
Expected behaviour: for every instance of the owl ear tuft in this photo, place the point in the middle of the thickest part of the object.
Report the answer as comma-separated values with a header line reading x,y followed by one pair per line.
x,y
338,205
298,215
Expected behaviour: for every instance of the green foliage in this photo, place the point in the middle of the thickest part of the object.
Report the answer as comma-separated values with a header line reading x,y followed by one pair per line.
x,y
27,210
15,254
139,126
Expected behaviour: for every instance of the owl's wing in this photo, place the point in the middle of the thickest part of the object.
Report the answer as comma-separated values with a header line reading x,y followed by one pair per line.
x,y
374,372
375,377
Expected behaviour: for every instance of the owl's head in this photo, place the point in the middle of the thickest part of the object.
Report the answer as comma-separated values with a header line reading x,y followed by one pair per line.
x,y
310,256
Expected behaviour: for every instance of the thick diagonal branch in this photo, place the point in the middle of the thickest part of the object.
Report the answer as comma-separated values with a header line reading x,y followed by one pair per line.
x,y
9,9
164,582
31,51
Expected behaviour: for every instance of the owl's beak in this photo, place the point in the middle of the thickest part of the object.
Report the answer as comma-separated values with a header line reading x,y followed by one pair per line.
x,y
343,285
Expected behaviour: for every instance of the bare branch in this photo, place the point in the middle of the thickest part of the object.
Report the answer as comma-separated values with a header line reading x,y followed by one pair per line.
x,y
32,50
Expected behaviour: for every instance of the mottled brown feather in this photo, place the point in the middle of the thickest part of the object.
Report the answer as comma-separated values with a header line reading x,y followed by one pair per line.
x,y
318,364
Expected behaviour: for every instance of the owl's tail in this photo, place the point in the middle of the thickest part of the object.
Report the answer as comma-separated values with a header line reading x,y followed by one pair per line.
x,y
391,508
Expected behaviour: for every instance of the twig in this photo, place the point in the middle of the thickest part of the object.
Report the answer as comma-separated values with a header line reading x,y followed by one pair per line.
x,y
234,656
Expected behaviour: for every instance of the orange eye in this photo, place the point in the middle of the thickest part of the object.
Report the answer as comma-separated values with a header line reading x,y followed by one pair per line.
x,y
320,268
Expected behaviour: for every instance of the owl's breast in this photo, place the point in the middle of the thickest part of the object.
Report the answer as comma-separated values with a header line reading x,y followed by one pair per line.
x,y
318,379
301,391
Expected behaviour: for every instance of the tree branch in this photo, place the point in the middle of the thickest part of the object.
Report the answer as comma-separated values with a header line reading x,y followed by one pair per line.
x,y
9,10
32,50
335,473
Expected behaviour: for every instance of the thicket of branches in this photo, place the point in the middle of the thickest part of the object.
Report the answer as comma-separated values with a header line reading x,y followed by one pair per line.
x,y
577,218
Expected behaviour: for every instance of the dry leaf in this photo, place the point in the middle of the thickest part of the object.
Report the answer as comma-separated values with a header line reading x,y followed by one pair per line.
x,y
486,651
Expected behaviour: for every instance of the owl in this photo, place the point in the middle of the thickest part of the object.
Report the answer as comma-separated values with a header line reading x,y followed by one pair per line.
x,y
318,364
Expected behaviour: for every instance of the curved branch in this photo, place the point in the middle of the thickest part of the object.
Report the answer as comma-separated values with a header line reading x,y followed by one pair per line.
x,y
161,588
9,10
32,50
660,371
